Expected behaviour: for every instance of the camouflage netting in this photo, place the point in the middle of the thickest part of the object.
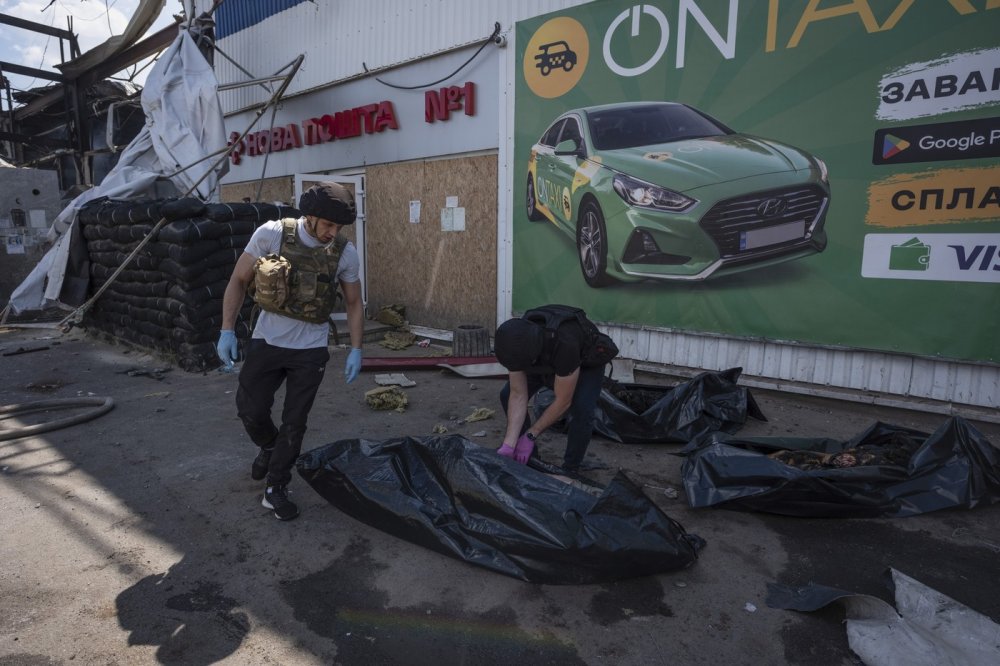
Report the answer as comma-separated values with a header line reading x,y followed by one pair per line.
x,y
168,299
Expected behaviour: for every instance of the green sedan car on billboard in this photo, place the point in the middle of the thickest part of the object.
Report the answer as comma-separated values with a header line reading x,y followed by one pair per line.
x,y
659,190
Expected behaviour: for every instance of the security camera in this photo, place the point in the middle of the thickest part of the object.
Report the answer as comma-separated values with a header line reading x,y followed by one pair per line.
x,y
500,40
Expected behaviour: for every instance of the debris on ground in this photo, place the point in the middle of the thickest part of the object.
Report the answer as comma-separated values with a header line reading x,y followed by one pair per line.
x,y
669,492
925,626
479,414
387,397
394,379
24,350
439,429
491,369
392,315
154,373
44,386
397,340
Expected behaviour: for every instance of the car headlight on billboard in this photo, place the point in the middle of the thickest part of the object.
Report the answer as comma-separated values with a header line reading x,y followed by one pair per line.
x,y
645,195
824,174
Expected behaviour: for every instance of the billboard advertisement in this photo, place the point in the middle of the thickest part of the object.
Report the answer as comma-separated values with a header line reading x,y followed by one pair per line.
x,y
817,171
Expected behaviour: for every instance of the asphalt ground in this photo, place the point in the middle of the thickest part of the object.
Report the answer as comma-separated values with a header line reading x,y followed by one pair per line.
x,y
138,537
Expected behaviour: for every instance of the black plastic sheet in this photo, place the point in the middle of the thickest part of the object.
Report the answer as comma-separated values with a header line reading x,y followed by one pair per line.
x,y
908,472
457,498
649,414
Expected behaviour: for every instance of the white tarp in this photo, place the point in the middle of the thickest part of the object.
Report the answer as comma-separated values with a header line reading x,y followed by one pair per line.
x,y
926,628
184,125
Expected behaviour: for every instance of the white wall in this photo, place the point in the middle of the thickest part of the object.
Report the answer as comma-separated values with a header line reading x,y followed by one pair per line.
x,y
413,139
343,38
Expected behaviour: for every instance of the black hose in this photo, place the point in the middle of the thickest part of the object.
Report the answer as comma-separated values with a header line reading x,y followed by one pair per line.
x,y
104,406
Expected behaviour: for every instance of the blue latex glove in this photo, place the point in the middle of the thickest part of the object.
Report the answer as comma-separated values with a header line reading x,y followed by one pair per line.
x,y
506,450
523,449
353,365
226,348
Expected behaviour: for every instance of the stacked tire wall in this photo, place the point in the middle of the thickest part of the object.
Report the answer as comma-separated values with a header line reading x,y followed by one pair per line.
x,y
168,299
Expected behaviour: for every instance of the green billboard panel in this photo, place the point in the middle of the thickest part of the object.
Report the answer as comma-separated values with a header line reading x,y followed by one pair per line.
x,y
823,172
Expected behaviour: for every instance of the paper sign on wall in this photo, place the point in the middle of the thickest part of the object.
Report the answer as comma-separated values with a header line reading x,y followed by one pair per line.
x,y
37,219
452,219
15,244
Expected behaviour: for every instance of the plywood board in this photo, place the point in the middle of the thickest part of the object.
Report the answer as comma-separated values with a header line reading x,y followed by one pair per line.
x,y
273,189
444,278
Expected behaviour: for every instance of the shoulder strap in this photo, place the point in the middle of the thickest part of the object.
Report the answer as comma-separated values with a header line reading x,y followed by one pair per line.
x,y
334,253
552,316
288,228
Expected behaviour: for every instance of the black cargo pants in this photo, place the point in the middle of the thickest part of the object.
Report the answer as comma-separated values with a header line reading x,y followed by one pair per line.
x,y
265,368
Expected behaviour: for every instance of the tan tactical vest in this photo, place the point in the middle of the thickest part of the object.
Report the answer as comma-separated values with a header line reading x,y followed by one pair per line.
x,y
298,282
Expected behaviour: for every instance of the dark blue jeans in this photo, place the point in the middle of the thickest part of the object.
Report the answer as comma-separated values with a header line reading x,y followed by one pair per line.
x,y
265,368
580,413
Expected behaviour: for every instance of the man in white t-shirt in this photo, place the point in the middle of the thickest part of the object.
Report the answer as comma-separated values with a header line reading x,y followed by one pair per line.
x,y
289,342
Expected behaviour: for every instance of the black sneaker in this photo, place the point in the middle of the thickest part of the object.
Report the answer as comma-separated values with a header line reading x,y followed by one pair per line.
x,y
259,468
276,499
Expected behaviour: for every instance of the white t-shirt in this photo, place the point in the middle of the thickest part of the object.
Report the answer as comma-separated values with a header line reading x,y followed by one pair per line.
x,y
282,331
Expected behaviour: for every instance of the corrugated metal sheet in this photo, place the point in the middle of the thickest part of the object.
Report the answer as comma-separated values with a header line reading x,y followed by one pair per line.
x,y
913,379
342,39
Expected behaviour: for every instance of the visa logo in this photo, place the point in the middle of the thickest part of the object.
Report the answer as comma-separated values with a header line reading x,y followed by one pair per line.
x,y
967,257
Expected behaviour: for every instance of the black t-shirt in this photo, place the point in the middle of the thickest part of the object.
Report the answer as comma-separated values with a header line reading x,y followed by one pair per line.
x,y
566,353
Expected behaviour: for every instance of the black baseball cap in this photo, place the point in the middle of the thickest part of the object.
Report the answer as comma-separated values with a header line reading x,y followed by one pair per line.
x,y
518,344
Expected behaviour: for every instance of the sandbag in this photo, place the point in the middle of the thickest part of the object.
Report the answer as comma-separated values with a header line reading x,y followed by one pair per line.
x,y
141,262
192,231
197,296
182,209
207,277
143,289
168,297
224,258
257,212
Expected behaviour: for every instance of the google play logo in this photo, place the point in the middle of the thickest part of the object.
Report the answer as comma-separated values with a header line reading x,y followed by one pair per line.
x,y
893,145
937,142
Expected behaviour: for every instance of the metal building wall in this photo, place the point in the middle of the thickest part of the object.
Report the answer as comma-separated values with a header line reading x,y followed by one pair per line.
x,y
345,38
938,386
